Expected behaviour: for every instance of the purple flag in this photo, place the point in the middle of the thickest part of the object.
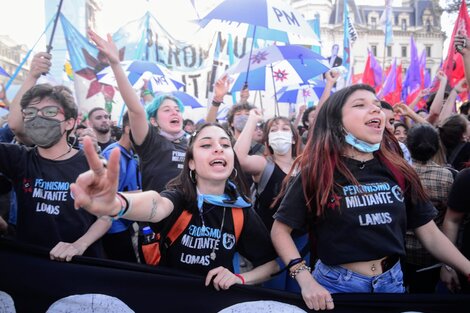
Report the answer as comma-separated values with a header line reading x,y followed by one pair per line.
x,y
422,65
412,77
3,72
390,83
378,72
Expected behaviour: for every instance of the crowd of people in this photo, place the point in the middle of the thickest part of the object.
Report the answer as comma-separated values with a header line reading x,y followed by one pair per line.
x,y
352,195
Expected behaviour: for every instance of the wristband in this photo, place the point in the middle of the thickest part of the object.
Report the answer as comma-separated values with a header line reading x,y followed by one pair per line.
x,y
216,103
241,278
294,262
124,206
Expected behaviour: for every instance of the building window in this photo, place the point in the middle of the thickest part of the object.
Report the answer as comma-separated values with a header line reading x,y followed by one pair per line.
x,y
428,51
403,24
373,22
404,52
374,50
389,51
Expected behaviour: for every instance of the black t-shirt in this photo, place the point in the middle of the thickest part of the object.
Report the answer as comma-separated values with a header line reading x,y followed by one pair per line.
x,y
160,159
265,199
191,251
104,145
463,156
361,223
46,213
459,200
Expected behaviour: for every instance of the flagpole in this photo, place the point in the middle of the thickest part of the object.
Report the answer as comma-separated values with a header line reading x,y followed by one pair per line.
x,y
385,49
49,46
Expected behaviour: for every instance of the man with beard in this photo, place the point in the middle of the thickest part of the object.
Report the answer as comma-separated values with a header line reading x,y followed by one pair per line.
x,y
100,121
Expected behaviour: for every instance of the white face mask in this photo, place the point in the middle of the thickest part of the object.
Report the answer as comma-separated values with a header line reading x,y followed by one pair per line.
x,y
280,141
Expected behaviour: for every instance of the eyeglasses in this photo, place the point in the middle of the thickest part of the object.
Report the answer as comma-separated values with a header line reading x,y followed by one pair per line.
x,y
49,111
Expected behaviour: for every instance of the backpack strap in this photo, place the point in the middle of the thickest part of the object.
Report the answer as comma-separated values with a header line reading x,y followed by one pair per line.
x,y
455,152
238,218
178,227
265,176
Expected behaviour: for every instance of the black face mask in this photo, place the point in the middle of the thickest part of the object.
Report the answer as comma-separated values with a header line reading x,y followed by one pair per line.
x,y
43,132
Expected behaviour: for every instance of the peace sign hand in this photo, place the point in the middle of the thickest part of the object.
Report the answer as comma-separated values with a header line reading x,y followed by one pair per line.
x,y
95,190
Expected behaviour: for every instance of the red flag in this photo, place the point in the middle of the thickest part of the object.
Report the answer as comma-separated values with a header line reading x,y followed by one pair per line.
x,y
453,65
395,96
368,75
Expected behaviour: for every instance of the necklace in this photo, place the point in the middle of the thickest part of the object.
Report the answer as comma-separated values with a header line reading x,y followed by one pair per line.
x,y
354,157
213,255
70,149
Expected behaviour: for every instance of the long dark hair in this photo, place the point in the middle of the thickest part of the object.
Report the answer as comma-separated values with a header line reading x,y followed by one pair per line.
x,y
185,184
322,155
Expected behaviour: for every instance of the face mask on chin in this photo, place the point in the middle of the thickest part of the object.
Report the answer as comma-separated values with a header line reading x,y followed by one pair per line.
x,y
280,141
360,144
43,132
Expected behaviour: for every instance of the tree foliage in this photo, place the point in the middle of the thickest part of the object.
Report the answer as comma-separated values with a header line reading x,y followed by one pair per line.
x,y
453,6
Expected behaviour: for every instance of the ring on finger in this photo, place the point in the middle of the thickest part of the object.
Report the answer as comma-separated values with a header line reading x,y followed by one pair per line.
x,y
331,300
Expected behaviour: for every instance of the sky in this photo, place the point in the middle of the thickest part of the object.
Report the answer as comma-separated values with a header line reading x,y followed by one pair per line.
x,y
26,25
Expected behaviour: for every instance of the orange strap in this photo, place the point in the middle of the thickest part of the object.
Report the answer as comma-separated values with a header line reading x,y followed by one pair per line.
x,y
179,226
237,215
185,217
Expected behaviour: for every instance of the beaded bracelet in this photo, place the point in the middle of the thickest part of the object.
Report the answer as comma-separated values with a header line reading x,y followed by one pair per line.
x,y
303,267
241,278
298,265
124,206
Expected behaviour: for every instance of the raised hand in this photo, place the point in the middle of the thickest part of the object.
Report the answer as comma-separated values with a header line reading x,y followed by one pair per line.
x,y
221,88
461,86
107,47
256,114
41,63
461,44
95,190
332,76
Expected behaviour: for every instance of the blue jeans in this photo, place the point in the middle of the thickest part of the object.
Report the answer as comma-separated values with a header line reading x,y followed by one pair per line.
x,y
337,279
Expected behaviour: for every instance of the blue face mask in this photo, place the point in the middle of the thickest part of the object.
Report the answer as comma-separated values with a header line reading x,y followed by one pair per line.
x,y
360,144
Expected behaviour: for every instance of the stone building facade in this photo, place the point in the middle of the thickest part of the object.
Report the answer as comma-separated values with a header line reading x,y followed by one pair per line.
x,y
418,18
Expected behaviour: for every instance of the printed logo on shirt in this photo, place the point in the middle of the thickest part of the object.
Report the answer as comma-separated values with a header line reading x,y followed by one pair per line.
x,y
398,193
27,185
178,156
228,241
367,195
48,192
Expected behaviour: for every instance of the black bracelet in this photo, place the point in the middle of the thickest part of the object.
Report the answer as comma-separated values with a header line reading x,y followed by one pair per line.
x,y
124,206
216,103
294,262
288,266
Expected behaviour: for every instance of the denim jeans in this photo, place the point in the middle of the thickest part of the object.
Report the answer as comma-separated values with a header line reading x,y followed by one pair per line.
x,y
337,279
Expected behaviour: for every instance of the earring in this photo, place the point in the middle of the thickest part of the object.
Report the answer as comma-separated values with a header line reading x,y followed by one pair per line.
x,y
192,175
236,174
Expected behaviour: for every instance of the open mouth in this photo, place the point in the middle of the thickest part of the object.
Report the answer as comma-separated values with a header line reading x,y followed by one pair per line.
x,y
375,123
218,162
175,121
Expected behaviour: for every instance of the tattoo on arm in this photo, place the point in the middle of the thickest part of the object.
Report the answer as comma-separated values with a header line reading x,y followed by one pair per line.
x,y
153,210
